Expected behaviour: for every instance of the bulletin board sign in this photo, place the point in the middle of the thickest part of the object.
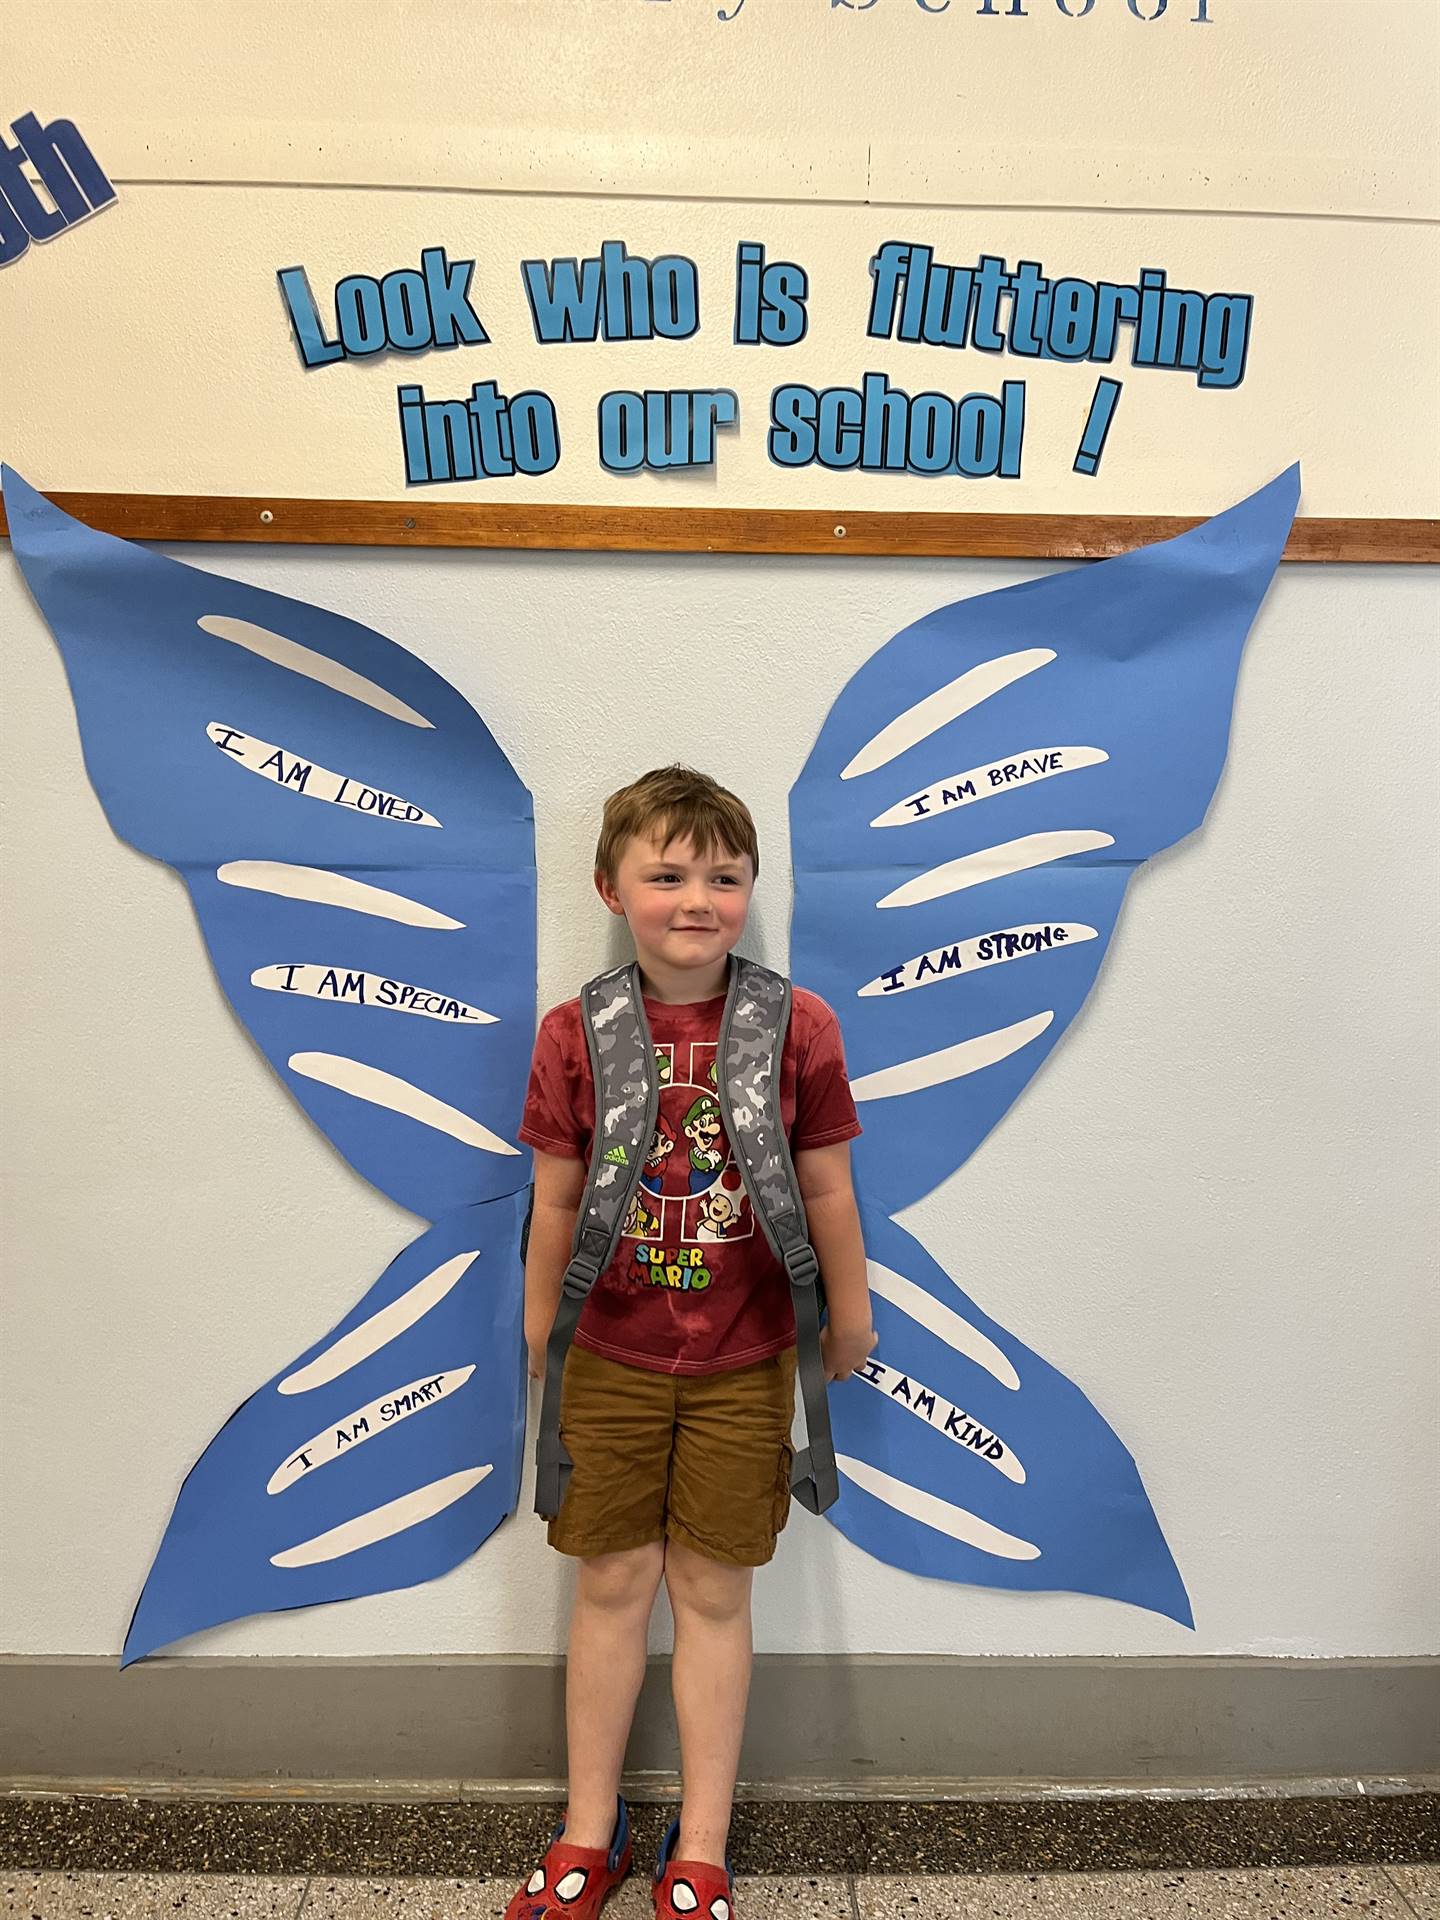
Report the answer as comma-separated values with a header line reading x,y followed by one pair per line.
x,y
734,315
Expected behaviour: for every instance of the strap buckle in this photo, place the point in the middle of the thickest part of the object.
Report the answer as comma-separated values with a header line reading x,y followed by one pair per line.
x,y
580,1277
801,1266
596,1242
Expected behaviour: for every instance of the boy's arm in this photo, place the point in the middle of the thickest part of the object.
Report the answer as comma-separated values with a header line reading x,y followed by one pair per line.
x,y
848,1336
559,1187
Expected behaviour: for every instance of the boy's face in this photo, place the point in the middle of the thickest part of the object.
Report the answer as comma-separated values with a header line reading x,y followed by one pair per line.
x,y
683,911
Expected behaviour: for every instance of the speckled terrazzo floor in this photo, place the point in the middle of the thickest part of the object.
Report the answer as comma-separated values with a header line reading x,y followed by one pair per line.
x,y
299,1837
1286,1893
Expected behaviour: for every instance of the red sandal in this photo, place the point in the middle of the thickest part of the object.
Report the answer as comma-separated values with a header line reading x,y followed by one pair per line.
x,y
573,1883
691,1889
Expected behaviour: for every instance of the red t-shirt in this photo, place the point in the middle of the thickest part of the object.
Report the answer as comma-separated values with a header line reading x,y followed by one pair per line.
x,y
693,1286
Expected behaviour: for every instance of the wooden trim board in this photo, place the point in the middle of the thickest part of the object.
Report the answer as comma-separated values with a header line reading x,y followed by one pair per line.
x,y
453,523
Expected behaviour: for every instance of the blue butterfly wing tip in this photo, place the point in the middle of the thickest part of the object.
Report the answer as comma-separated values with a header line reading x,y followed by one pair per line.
x,y
139,1642
19,492
130,1655
1166,1594
1151,1578
1278,497
1177,1607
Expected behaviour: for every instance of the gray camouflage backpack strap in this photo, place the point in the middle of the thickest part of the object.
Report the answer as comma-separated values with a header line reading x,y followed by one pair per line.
x,y
627,1101
752,1038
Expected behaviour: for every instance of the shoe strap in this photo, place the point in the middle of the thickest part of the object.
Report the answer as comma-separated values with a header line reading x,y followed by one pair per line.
x,y
611,1856
561,1856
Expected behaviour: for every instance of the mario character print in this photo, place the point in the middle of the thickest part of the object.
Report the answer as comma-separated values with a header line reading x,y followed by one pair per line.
x,y
691,1194
657,1158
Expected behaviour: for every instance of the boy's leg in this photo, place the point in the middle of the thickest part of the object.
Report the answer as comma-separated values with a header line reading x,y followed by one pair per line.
x,y
614,1596
728,1498
711,1681
616,1421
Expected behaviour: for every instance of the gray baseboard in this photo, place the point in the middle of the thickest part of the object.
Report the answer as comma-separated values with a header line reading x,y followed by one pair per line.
x,y
845,1721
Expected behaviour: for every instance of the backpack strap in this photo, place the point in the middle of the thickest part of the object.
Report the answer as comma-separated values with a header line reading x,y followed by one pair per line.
x,y
752,1040
627,1104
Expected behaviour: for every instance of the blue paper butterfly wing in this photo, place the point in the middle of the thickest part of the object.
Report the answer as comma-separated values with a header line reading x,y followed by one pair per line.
x,y
386,968
914,1141
996,1470
363,1468
963,834
1134,659
476,1072
176,673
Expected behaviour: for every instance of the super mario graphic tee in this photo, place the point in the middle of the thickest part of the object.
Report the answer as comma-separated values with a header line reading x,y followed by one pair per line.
x,y
693,1286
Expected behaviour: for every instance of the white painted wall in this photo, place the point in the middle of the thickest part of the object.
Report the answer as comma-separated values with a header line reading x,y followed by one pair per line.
x,y
1214,1209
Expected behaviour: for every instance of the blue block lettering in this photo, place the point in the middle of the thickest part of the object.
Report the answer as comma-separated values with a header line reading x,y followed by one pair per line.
x,y
315,349
360,315
615,296
39,221
71,174
411,310
447,285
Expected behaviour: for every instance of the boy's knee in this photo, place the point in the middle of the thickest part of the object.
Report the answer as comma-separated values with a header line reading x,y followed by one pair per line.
x,y
618,1581
711,1588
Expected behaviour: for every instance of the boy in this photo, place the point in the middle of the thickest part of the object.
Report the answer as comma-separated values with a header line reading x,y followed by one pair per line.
x,y
679,1388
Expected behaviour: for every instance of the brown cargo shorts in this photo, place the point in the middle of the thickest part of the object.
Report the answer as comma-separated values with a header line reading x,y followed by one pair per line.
x,y
704,1459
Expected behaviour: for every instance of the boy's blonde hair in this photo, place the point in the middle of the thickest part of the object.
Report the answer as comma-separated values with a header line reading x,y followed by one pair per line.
x,y
675,803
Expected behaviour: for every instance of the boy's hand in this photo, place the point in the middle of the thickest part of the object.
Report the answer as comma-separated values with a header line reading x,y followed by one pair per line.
x,y
537,1342
845,1346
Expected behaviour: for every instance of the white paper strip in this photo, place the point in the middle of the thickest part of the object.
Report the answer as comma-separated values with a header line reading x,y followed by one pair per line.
x,y
981,783
328,889
959,1427
950,1063
381,1523
297,658
383,1089
957,1522
377,1416
970,956
314,981
383,1326
943,1322
994,863
938,709
313,782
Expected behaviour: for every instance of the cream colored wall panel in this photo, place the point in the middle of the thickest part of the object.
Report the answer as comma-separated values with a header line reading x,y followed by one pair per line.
x,y
391,153
1370,185
156,354
1290,105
